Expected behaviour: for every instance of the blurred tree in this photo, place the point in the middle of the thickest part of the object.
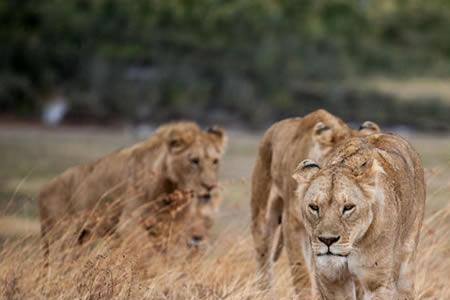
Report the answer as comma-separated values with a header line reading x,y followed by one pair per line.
x,y
182,58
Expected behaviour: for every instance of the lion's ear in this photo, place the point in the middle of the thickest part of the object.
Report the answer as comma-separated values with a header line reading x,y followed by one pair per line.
x,y
305,170
322,133
369,127
364,167
219,135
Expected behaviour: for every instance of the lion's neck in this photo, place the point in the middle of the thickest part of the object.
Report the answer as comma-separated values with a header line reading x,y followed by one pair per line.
x,y
161,182
167,184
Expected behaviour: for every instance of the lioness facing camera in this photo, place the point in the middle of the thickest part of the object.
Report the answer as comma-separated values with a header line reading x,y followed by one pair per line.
x,y
283,145
358,218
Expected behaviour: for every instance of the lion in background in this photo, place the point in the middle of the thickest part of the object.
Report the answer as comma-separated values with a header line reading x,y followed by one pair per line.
x,y
178,156
284,145
358,218
171,219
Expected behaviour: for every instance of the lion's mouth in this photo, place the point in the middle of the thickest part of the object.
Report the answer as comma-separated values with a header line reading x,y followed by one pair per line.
x,y
329,253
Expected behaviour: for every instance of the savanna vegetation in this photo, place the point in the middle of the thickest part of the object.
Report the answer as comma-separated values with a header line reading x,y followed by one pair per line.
x,y
127,270
240,61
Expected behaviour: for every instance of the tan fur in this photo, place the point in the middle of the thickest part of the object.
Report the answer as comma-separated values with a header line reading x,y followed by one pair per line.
x,y
170,221
285,144
361,214
178,156
366,128
282,147
165,220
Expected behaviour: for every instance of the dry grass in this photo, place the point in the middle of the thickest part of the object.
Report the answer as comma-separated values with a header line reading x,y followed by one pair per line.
x,y
226,271
130,269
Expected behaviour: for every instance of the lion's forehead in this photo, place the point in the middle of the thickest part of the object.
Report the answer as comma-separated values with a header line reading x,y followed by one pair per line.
x,y
319,189
335,187
346,189
205,148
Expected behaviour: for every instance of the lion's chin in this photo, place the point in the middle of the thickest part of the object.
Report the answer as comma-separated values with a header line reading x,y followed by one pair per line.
x,y
332,267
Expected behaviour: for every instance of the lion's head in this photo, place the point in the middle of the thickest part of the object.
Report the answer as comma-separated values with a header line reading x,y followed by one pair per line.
x,y
332,131
181,156
194,157
337,203
325,131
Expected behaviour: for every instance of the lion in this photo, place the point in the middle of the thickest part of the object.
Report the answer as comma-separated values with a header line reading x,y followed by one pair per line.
x,y
178,156
283,145
171,222
358,218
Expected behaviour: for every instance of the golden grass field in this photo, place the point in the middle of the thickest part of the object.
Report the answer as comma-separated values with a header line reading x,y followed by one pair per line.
x,y
30,156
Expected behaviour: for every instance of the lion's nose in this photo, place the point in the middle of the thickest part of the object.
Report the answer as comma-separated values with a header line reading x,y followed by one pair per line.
x,y
329,240
209,186
197,238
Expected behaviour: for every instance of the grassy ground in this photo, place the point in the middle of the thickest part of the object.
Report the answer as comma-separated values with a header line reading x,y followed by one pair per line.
x,y
30,156
408,89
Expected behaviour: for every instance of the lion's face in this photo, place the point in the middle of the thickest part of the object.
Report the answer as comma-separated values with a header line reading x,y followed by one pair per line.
x,y
337,207
193,162
336,213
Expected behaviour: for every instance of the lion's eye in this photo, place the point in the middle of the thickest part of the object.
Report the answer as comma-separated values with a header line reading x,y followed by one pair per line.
x,y
348,207
195,161
216,161
314,207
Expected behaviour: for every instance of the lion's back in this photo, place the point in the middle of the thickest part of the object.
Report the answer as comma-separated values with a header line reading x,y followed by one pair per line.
x,y
404,170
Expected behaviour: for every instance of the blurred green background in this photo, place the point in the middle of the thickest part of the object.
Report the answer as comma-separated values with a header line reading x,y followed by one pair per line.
x,y
240,62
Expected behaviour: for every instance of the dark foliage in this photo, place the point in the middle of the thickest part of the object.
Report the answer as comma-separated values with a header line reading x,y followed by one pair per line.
x,y
233,60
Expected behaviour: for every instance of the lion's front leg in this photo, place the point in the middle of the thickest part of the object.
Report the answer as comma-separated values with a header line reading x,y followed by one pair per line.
x,y
263,235
407,270
405,283
382,293
343,289
406,296
298,254
375,276
387,290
